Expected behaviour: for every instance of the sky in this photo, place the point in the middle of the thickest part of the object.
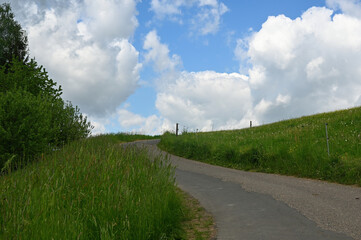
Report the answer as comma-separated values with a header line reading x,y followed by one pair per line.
x,y
143,66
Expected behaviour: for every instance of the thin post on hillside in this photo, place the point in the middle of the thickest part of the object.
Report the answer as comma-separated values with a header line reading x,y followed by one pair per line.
x,y
328,146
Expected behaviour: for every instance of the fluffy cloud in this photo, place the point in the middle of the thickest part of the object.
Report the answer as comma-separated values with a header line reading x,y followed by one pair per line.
x,y
349,7
166,65
84,46
306,65
206,21
163,8
297,67
99,127
152,125
206,100
198,100
158,53
110,19
209,17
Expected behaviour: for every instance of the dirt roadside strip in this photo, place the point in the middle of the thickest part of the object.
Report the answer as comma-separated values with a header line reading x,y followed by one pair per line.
x,y
266,206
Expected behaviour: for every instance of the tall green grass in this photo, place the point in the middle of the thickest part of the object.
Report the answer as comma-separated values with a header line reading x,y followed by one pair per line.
x,y
293,147
91,189
126,137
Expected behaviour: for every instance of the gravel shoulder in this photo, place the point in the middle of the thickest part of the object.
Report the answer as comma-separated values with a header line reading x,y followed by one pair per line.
x,y
331,207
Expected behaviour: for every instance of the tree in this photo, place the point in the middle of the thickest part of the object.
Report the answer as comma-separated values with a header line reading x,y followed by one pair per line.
x,y
25,124
13,40
68,123
33,116
30,77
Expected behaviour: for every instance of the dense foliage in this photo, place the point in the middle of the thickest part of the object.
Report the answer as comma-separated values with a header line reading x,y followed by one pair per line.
x,y
33,116
294,147
13,40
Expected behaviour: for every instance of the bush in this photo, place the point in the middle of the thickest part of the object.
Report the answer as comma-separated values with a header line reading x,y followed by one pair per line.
x,y
25,123
33,116
28,76
68,124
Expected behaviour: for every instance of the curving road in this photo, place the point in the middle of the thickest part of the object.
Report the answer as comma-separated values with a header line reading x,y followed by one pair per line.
x,y
248,205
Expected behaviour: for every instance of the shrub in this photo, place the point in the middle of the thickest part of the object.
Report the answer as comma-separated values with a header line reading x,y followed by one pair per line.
x,y
34,117
25,123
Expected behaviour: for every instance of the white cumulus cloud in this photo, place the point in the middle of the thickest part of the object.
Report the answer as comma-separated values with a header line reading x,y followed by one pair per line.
x,y
198,100
84,45
297,67
206,100
136,123
110,19
305,65
349,7
158,53
209,17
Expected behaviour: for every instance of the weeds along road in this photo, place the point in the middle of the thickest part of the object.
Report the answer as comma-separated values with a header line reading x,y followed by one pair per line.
x,y
249,205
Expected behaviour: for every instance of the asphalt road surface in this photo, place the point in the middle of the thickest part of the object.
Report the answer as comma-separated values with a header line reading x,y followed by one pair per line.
x,y
249,205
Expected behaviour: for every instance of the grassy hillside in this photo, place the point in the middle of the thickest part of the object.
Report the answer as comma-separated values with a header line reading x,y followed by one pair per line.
x,y
125,137
91,189
294,147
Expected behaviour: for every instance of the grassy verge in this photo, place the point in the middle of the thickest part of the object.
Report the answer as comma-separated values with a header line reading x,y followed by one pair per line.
x,y
294,147
125,137
198,224
91,189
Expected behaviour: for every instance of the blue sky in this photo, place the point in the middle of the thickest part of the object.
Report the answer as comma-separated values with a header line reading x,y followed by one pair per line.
x,y
211,52
142,66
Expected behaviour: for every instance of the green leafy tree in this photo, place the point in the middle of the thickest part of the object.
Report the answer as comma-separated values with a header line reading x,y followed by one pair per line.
x,y
13,40
33,116
25,123
30,77
33,113
73,125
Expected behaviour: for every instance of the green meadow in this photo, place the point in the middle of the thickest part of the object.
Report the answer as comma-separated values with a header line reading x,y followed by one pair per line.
x,y
296,147
92,189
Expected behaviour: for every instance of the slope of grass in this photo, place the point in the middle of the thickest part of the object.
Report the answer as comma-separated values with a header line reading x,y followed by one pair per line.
x,y
91,189
293,147
126,137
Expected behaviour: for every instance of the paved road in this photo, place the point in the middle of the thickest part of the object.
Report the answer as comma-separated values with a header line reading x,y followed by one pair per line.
x,y
250,205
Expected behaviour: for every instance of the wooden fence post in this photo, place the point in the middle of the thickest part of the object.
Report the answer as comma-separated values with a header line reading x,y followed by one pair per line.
x,y
328,146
